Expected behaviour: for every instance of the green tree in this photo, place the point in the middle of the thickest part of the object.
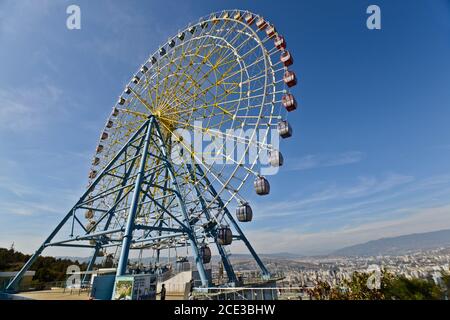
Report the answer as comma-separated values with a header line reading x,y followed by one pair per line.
x,y
446,284
391,287
48,269
401,288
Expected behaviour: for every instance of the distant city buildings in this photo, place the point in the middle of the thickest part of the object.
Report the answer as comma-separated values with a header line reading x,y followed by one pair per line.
x,y
307,272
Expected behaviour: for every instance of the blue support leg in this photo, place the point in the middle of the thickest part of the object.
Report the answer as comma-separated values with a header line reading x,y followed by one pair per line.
x,y
127,237
13,285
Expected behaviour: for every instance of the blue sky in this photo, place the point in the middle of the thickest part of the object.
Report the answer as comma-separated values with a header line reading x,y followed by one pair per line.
x,y
370,156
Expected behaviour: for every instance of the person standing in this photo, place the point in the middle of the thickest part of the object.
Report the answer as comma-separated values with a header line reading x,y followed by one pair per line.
x,y
191,290
163,292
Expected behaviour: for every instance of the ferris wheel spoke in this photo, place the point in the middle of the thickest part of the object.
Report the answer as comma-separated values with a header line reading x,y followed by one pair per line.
x,y
203,100
135,113
204,39
247,68
206,57
206,103
191,62
195,83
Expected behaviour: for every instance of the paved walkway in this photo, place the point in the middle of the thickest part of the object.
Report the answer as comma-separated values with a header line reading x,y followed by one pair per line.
x,y
55,294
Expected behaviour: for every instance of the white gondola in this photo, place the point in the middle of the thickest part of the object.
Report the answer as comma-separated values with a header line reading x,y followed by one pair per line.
x,y
110,124
204,24
224,236
89,214
136,79
127,90
121,101
99,148
172,43
153,60
192,29
205,253
162,51
144,69
89,201
104,136
284,129
238,16
262,186
91,226
181,36
276,158
244,213
92,174
95,161
115,112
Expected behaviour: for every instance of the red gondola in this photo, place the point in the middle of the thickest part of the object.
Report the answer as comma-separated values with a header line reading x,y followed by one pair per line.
x,y
287,58
290,78
261,23
289,102
280,43
249,18
271,31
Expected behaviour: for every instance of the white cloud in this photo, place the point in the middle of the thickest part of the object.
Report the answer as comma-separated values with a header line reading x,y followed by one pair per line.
x,y
291,240
29,108
19,16
27,199
314,161
330,198
339,216
15,188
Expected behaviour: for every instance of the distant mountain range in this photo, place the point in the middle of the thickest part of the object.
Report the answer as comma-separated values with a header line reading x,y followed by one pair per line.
x,y
277,255
398,245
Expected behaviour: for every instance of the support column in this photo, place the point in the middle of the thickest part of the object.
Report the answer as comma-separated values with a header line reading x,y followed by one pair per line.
x,y
127,237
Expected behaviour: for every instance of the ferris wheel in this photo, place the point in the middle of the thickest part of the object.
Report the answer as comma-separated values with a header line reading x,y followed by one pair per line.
x,y
192,128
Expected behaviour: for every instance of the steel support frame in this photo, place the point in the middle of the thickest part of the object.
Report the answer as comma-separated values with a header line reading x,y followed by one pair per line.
x,y
224,257
153,131
13,284
149,130
265,273
190,232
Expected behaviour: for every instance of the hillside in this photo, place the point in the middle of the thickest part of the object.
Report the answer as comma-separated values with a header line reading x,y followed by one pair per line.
x,y
48,269
398,245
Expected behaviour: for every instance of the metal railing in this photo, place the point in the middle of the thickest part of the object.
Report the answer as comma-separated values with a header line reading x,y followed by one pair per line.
x,y
234,293
249,293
